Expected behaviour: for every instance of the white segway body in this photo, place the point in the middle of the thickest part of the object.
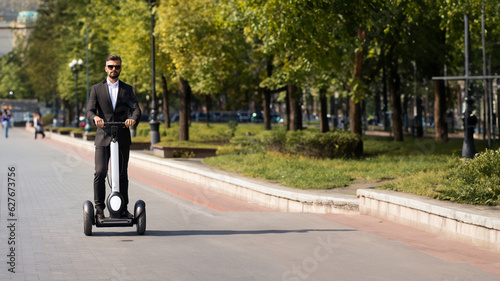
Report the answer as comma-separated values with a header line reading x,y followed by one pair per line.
x,y
115,200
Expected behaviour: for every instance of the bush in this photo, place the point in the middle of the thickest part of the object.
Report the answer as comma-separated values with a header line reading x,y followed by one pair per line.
x,y
241,145
336,144
232,126
474,181
47,119
142,131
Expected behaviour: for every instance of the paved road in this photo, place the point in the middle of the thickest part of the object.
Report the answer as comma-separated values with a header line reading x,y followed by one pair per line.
x,y
193,234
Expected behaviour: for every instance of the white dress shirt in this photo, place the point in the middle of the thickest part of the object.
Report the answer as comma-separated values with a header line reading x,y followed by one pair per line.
x,y
113,91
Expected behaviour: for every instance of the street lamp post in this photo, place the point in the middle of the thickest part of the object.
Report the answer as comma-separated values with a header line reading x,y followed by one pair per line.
x,y
468,148
87,124
75,66
153,121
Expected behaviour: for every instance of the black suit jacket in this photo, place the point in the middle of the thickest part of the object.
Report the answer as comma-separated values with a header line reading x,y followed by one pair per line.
x,y
100,105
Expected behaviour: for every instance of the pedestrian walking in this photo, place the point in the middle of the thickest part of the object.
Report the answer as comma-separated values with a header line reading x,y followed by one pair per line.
x,y
37,123
6,122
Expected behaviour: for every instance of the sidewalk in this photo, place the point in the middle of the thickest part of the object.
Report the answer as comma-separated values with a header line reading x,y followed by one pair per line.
x,y
474,225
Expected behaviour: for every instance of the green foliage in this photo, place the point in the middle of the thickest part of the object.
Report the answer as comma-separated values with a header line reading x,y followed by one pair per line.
x,y
474,181
301,36
417,166
215,133
12,77
193,144
304,143
336,144
202,51
232,126
67,130
289,170
47,119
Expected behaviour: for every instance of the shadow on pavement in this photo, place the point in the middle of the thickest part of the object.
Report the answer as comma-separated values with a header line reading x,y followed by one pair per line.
x,y
235,232
214,232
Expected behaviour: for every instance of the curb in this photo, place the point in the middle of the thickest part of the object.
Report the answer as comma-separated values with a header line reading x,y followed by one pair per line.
x,y
474,225
265,194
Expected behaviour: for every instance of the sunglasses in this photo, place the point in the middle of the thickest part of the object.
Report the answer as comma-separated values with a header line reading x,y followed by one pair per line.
x,y
117,67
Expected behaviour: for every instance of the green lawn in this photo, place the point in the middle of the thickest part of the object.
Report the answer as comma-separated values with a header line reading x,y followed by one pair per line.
x,y
384,161
416,166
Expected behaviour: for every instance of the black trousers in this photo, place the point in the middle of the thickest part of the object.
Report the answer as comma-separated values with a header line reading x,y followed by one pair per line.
x,y
102,155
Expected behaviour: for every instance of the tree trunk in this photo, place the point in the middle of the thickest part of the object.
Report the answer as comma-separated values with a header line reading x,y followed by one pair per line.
x,y
334,113
288,110
354,101
406,122
440,122
323,116
184,97
345,113
208,103
440,111
498,114
419,127
267,109
267,96
295,109
394,85
377,107
70,111
166,110
355,116
385,110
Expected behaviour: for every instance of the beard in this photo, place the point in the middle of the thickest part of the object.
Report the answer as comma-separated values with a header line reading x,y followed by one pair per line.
x,y
113,75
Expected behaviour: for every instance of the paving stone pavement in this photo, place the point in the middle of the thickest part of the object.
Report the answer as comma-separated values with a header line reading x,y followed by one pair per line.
x,y
50,187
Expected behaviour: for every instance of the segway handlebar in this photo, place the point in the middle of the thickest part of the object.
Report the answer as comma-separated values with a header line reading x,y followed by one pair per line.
x,y
114,123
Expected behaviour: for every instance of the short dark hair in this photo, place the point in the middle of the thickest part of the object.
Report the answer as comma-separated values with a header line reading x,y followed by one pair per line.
x,y
114,57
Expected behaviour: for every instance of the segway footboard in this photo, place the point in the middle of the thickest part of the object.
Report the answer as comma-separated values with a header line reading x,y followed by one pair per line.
x,y
111,222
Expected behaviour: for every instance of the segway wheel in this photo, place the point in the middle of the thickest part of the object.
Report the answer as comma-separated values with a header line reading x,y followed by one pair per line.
x,y
88,217
141,223
140,216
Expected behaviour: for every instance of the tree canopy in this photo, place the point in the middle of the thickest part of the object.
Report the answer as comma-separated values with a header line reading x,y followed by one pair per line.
x,y
244,50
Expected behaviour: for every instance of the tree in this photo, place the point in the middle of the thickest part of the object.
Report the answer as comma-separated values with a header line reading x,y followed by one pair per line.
x,y
391,43
297,35
57,38
204,53
42,50
12,77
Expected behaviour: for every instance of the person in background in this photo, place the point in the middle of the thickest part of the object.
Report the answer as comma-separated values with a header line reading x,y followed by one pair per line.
x,y
6,122
37,123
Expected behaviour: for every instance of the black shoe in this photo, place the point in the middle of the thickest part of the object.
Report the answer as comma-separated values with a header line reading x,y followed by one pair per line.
x,y
127,214
99,214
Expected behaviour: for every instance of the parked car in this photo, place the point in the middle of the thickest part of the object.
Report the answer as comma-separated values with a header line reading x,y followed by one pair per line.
x,y
276,118
257,117
161,117
174,117
244,116
229,116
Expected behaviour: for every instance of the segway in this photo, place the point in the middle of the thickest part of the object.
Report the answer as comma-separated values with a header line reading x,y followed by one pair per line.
x,y
115,200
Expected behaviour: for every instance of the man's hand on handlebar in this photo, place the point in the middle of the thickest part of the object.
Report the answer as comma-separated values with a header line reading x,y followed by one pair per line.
x,y
129,122
99,122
